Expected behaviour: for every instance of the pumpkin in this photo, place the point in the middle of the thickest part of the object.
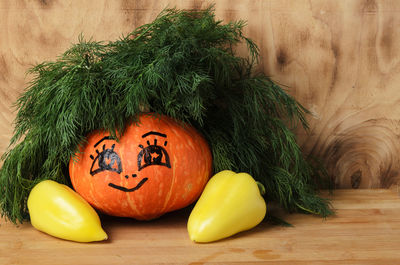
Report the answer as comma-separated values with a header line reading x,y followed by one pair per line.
x,y
155,167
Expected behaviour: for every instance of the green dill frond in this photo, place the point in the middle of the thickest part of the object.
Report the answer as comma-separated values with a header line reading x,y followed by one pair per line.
x,y
184,65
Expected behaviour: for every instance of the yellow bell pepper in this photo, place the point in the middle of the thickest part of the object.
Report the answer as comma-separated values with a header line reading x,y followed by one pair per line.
x,y
59,211
230,203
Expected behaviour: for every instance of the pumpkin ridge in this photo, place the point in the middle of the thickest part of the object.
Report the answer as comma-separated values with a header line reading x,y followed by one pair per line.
x,y
132,203
168,198
93,200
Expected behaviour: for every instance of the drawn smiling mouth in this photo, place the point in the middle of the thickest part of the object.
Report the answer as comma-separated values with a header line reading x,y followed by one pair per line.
x,y
140,184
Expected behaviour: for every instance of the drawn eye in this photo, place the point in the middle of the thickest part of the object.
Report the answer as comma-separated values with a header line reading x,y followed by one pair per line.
x,y
107,159
153,154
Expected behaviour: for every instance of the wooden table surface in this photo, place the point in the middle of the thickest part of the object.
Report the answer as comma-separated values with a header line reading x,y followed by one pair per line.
x,y
365,230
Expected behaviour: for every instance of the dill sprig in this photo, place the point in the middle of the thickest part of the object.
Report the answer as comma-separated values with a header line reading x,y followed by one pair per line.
x,y
184,65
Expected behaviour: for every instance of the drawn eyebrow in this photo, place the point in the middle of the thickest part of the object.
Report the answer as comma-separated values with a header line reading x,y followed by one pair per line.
x,y
103,139
154,133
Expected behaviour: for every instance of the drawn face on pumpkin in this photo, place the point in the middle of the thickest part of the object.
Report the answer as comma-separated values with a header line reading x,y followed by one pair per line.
x,y
108,159
155,167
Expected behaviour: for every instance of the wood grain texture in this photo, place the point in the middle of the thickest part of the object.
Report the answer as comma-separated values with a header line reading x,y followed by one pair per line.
x,y
340,59
365,230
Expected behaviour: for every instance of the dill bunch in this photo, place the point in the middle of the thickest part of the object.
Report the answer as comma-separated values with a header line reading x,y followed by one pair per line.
x,y
184,65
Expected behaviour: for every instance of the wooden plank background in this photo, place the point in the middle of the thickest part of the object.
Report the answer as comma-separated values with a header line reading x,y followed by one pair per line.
x,y
340,59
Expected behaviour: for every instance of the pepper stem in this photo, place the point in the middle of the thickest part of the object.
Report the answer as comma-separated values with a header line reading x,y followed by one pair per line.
x,y
261,188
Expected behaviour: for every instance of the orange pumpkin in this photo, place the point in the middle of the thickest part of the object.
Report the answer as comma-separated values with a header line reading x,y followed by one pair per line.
x,y
157,166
